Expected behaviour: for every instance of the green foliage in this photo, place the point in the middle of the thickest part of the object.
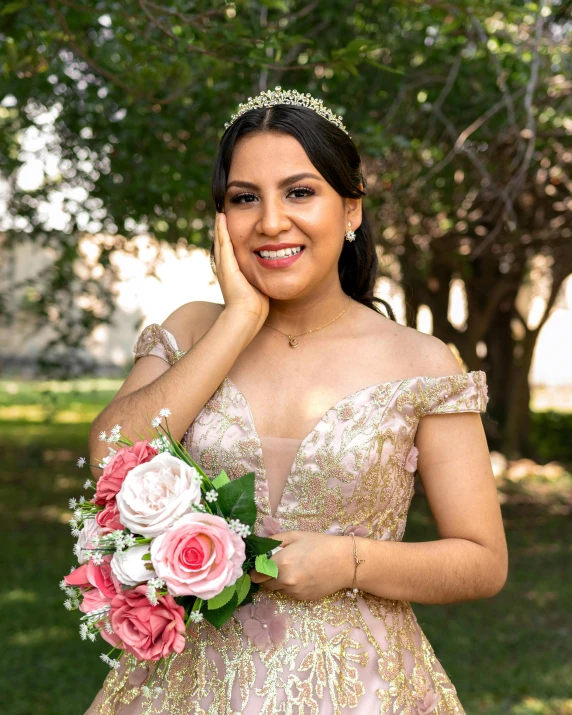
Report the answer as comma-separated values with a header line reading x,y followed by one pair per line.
x,y
550,434
266,566
242,588
222,598
236,499
221,615
220,480
461,111
260,544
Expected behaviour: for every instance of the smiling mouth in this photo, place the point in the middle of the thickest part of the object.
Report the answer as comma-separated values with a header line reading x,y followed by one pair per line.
x,y
277,255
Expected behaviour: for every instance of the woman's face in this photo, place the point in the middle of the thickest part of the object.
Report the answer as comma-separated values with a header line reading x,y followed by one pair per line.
x,y
277,200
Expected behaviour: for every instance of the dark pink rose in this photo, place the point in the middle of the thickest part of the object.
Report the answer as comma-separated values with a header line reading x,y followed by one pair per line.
x,y
95,583
148,632
108,519
411,459
265,627
111,638
270,526
198,556
120,464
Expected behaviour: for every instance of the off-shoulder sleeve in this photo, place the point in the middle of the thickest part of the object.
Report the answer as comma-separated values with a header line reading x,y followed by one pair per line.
x,y
155,340
464,392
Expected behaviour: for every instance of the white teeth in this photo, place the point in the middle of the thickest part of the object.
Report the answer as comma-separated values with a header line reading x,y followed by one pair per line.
x,y
282,253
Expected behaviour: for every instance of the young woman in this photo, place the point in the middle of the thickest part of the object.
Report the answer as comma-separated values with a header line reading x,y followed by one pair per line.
x,y
299,378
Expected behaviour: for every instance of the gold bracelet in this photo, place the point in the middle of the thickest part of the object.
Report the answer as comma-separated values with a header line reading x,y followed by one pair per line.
x,y
353,593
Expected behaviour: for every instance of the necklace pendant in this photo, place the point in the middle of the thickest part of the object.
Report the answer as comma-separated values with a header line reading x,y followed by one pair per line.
x,y
292,342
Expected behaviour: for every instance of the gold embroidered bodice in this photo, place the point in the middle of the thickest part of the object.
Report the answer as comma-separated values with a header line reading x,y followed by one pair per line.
x,y
354,470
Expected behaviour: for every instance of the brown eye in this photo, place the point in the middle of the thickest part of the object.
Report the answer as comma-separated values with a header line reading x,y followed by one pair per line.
x,y
301,192
242,199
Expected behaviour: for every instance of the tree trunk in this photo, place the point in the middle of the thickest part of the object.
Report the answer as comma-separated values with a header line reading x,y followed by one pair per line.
x,y
515,441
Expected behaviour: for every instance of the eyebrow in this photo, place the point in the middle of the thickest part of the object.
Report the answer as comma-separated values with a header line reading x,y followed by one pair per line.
x,y
288,180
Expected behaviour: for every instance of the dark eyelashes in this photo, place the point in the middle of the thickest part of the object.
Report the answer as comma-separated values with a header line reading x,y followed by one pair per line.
x,y
305,189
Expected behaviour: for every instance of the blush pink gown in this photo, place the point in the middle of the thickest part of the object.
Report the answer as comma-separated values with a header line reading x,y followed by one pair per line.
x,y
337,655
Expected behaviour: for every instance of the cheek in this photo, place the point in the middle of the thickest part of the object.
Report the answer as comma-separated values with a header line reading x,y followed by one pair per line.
x,y
239,230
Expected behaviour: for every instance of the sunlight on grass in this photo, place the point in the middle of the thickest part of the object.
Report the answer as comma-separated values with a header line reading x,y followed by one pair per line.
x,y
39,635
17,595
39,413
48,512
17,387
535,706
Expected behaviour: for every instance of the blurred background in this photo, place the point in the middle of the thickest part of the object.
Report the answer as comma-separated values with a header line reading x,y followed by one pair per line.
x,y
110,116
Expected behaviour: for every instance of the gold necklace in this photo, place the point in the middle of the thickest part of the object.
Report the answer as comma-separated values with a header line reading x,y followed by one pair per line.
x,y
293,343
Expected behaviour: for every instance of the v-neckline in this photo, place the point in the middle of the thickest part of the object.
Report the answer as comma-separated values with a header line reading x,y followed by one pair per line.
x,y
306,439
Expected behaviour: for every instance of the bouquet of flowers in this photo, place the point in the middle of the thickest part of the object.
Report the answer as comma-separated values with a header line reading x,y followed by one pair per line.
x,y
161,545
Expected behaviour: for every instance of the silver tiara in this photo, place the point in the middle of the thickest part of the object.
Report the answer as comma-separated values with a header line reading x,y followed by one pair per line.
x,y
290,96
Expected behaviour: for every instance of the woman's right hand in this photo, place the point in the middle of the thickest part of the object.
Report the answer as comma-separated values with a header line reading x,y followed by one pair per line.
x,y
239,295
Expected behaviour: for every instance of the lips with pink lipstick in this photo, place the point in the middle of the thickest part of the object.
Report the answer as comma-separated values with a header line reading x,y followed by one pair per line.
x,y
278,255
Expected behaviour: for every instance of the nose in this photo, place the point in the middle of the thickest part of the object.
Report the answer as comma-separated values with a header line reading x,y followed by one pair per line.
x,y
273,220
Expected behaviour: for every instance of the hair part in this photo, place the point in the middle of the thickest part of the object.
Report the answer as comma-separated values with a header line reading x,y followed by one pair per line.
x,y
335,156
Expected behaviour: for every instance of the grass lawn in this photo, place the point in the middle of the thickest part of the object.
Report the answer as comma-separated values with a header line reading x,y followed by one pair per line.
x,y
509,655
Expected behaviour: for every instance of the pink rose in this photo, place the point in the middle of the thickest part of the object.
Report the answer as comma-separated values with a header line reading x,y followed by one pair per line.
x,y
116,470
148,632
198,556
108,519
411,459
96,584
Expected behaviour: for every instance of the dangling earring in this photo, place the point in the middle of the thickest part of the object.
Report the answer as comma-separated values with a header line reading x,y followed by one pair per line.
x,y
350,235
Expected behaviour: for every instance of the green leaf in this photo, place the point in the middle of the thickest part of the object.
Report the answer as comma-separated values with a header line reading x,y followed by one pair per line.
x,y
13,7
260,544
221,480
223,597
236,499
243,587
221,615
146,557
266,566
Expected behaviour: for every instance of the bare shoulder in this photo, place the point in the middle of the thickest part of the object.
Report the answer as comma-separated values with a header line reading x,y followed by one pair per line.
x,y
190,321
415,353
436,359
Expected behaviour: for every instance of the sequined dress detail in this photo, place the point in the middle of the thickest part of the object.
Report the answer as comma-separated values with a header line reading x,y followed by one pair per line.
x,y
339,655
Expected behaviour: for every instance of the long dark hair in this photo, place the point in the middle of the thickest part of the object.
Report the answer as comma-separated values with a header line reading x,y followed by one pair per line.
x,y
335,156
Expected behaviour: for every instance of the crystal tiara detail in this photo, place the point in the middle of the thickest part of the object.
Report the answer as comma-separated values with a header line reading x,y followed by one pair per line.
x,y
290,96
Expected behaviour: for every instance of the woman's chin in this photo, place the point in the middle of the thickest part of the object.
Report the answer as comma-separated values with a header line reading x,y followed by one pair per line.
x,y
281,290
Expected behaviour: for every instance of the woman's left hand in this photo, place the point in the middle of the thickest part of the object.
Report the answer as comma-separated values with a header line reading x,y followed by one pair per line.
x,y
310,565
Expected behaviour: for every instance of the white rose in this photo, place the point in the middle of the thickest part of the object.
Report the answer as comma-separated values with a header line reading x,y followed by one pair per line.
x,y
90,532
156,493
129,567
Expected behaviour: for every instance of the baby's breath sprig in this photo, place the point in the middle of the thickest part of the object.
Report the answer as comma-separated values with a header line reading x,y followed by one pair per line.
x,y
112,663
155,589
161,671
91,624
211,495
239,528
177,449
195,615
